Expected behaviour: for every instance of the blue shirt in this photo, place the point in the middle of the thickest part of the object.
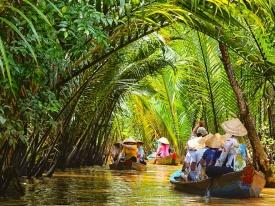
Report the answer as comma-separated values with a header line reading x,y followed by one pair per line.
x,y
210,156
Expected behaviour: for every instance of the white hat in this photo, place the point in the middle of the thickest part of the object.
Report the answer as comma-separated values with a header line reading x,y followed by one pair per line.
x,y
215,141
130,140
197,142
202,131
163,140
234,127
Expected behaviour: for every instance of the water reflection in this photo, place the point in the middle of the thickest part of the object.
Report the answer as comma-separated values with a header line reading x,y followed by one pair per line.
x,y
101,186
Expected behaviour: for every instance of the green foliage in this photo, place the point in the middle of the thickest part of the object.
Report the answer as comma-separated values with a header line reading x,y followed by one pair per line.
x,y
77,74
179,97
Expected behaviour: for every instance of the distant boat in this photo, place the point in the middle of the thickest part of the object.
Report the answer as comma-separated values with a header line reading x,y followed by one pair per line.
x,y
169,160
129,165
242,184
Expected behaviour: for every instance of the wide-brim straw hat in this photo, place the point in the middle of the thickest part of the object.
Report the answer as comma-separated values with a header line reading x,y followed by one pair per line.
x,y
234,127
163,140
215,141
197,142
130,140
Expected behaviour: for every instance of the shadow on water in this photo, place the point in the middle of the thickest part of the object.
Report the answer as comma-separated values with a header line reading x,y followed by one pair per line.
x,y
101,186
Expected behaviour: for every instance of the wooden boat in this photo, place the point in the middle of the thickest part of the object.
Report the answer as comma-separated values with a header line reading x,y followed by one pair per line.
x,y
169,160
128,165
138,166
243,184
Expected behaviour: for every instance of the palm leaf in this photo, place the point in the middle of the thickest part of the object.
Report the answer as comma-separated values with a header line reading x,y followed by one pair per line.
x,y
13,27
27,19
38,11
6,62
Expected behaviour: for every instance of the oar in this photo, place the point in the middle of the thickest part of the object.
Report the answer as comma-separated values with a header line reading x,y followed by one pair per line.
x,y
208,191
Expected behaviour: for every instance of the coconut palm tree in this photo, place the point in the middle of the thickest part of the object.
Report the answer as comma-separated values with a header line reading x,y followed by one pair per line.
x,y
97,51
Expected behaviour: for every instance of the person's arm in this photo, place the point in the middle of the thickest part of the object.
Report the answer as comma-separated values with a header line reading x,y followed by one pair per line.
x,y
198,124
194,131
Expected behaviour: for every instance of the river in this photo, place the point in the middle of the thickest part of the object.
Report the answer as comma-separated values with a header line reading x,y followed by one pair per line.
x,y
101,186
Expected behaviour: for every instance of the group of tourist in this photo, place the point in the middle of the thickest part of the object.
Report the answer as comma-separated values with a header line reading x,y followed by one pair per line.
x,y
128,150
207,155
211,155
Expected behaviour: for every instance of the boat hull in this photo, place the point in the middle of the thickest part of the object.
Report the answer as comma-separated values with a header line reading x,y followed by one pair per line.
x,y
169,160
231,185
128,166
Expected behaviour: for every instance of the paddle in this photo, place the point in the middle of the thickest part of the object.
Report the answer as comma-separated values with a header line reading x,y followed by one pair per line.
x,y
208,191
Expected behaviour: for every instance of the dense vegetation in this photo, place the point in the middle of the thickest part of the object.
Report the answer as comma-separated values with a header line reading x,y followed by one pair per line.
x,y
77,75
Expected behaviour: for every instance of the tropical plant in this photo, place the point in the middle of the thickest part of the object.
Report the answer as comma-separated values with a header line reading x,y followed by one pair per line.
x,y
68,77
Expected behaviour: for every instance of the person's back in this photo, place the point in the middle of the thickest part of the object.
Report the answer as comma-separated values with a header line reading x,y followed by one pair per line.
x,y
227,156
193,144
210,156
240,158
163,150
129,151
225,163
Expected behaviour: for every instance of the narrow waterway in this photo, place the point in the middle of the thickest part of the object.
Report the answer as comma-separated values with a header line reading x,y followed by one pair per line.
x,y
101,186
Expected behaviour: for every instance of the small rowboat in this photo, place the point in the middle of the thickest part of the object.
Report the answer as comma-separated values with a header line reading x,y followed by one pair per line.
x,y
169,160
128,165
243,184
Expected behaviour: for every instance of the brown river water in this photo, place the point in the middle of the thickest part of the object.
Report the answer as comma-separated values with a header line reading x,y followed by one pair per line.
x,y
101,186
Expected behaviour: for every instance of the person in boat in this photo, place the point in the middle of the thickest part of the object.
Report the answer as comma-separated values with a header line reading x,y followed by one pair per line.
x,y
200,124
116,151
213,144
129,150
173,155
141,154
163,148
225,163
198,149
191,146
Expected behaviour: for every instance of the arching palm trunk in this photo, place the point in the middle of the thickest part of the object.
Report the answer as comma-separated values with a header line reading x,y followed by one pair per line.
x,y
260,156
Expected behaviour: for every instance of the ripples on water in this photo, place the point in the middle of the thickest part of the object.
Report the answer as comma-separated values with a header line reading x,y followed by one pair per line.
x,y
101,186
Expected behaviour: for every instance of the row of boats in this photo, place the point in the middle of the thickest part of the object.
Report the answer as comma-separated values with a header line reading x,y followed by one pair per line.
x,y
242,184
130,165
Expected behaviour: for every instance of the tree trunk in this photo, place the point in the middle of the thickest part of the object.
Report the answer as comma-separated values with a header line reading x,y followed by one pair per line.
x,y
271,110
260,157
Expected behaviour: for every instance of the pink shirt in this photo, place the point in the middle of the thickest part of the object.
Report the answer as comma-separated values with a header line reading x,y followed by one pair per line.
x,y
163,150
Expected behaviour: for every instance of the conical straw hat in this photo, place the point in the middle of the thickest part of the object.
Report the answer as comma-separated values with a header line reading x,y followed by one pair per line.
x,y
215,141
130,140
197,143
163,140
234,127
139,141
